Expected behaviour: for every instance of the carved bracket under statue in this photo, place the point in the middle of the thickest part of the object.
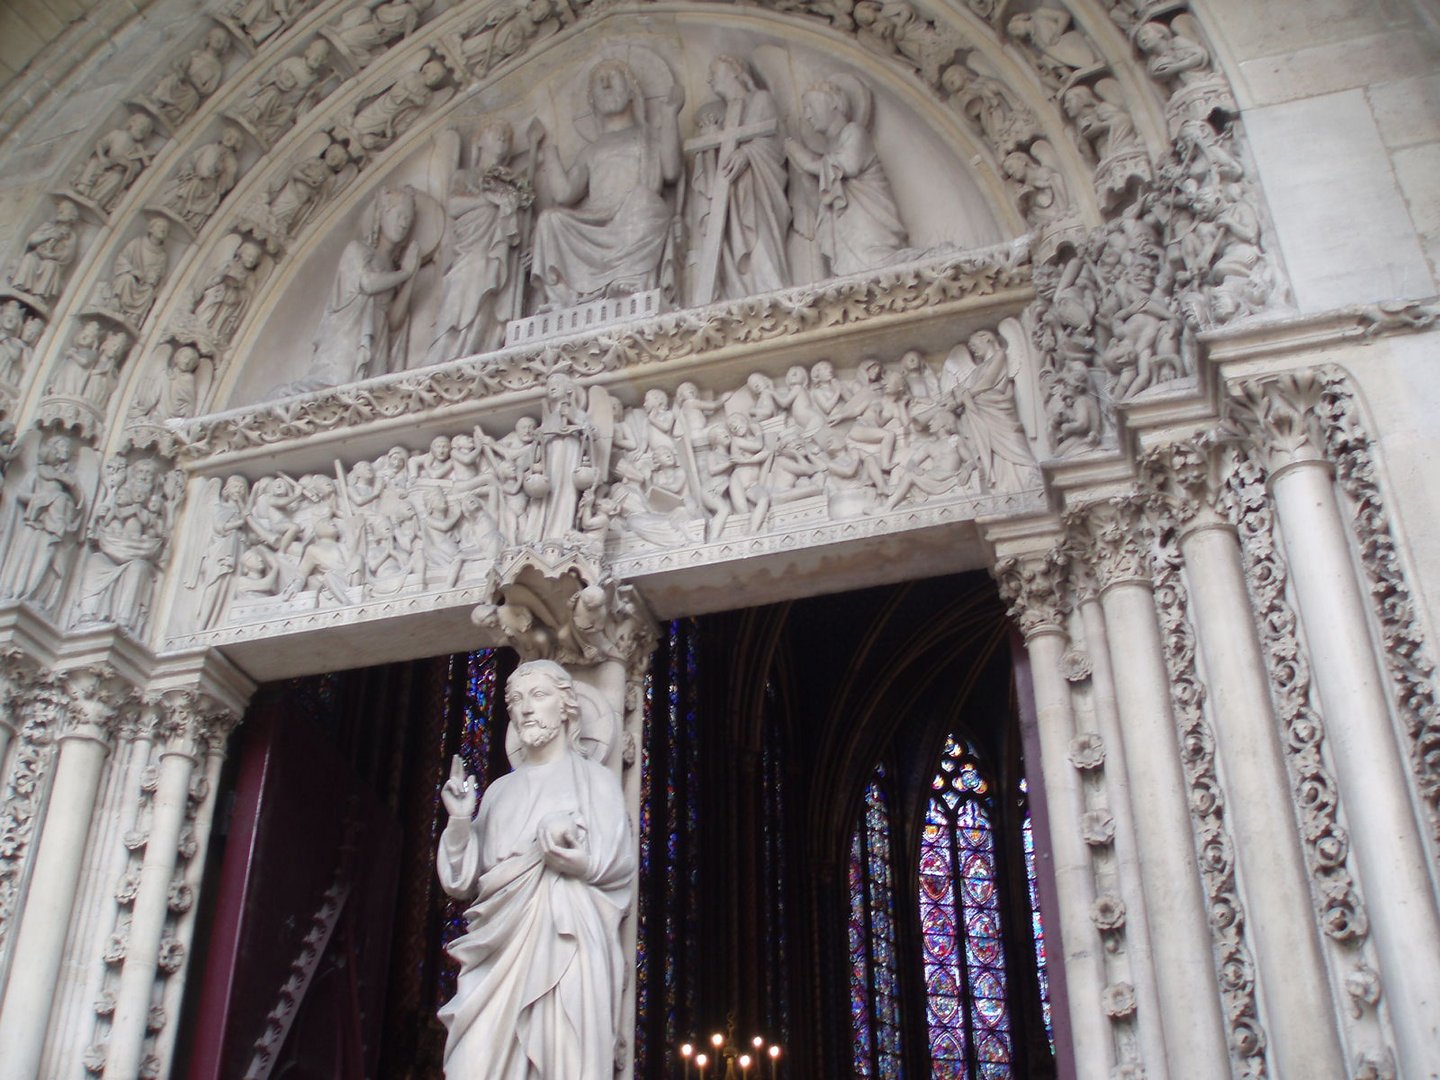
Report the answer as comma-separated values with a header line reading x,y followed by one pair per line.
x,y
557,600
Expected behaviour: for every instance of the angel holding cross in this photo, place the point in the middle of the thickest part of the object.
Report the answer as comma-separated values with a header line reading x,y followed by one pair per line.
x,y
740,211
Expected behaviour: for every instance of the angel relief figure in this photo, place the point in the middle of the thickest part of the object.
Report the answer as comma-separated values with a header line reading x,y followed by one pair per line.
x,y
612,231
852,217
364,329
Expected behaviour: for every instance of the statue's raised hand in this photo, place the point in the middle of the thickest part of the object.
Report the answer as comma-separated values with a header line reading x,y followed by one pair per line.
x,y
458,794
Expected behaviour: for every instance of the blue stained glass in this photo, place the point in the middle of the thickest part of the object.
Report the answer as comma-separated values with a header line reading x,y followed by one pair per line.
x,y
1037,924
968,1009
874,987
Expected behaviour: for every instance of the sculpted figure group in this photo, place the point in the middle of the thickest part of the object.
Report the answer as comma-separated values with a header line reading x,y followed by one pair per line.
x,y
525,231
673,470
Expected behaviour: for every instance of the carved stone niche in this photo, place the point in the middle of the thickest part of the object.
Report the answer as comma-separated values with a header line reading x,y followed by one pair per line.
x,y
474,173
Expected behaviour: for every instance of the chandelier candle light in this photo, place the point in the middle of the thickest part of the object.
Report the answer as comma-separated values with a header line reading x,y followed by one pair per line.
x,y
728,1060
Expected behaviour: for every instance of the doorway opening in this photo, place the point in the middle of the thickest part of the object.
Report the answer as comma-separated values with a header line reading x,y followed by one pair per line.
x,y
795,762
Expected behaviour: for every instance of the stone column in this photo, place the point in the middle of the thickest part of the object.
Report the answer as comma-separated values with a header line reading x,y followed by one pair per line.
x,y
1293,975
1117,783
184,720
1031,587
1113,538
94,699
1279,414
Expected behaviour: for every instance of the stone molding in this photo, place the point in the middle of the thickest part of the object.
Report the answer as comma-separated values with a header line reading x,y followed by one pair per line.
x,y
1214,845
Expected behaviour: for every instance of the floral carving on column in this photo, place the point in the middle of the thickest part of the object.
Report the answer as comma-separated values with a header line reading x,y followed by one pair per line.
x,y
1408,658
1213,843
1339,909
172,721
34,704
1278,416
1112,538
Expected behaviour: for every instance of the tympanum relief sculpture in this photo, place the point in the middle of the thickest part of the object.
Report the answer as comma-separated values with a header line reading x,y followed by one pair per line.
x,y
674,471
732,198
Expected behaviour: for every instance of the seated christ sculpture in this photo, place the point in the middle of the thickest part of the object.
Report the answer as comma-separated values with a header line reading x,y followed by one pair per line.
x,y
547,866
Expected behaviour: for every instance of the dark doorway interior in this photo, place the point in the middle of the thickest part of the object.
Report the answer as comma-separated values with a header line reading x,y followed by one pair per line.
x,y
763,729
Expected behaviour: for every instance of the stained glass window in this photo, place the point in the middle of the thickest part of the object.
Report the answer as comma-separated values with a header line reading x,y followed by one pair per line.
x,y
874,965
968,1012
665,983
1037,925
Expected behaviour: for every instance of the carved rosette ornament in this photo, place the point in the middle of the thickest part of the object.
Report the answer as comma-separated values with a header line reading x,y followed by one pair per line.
x,y
37,703
1213,844
1408,657
1315,790
1187,481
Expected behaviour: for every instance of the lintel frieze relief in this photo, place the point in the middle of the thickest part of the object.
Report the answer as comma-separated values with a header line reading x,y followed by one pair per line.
x,y
816,457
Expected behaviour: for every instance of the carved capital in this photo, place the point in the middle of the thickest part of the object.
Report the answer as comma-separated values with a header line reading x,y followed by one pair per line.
x,y
557,600
1113,539
96,703
1033,588
1186,480
20,680
1278,416
190,723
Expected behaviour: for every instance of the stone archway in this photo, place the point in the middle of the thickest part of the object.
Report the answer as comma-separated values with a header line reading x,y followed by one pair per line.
x,y
1060,408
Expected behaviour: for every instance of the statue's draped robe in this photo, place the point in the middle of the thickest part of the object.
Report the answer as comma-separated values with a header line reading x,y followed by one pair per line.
x,y
859,226
541,969
614,241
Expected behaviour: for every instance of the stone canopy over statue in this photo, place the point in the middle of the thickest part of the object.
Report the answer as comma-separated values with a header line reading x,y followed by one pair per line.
x,y
547,867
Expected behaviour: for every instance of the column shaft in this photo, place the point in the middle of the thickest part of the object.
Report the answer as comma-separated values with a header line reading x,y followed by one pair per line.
x,y
40,940
1084,967
147,921
1117,786
1293,978
1184,966
1389,851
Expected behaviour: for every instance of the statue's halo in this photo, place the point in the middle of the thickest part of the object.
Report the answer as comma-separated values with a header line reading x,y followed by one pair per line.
x,y
650,71
595,736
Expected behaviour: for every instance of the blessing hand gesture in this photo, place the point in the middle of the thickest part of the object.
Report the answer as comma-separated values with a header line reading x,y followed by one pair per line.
x,y
458,794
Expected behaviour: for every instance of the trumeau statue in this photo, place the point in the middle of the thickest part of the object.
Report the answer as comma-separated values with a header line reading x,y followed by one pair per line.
x,y
547,867
484,286
852,217
611,233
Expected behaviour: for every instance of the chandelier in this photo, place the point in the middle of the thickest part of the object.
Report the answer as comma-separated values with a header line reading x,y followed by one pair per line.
x,y
727,1061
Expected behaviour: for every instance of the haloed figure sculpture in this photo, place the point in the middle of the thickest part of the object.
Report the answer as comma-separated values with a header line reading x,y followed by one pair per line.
x,y
547,867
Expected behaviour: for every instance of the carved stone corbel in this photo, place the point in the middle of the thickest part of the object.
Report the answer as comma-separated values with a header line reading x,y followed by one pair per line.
x,y
558,601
